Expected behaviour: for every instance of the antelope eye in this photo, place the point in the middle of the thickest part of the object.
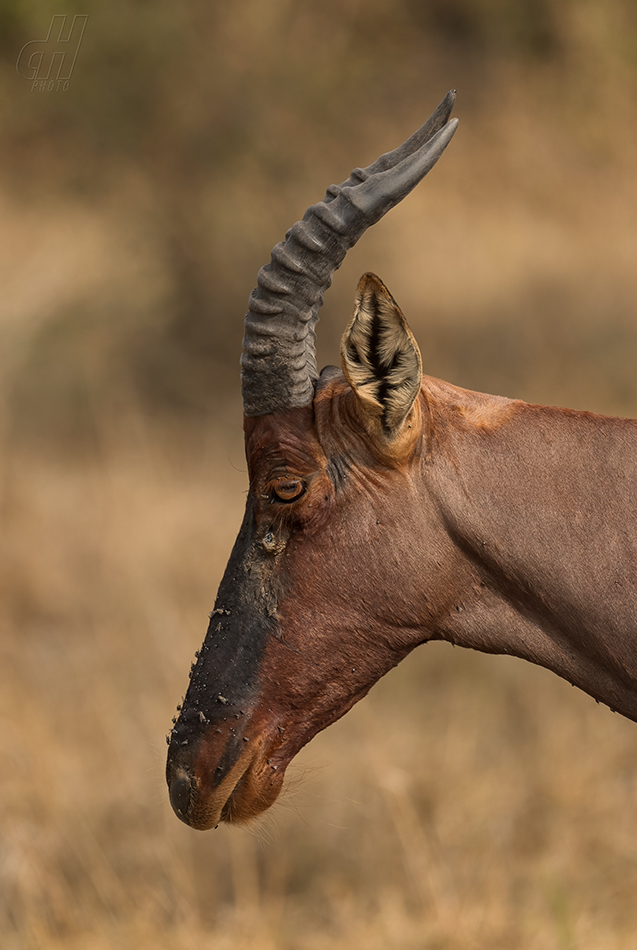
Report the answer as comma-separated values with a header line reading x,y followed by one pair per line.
x,y
288,489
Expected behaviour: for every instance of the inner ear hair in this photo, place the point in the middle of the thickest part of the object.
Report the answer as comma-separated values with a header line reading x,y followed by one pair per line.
x,y
380,357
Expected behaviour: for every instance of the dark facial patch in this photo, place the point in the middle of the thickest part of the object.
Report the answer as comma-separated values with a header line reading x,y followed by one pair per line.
x,y
337,469
225,680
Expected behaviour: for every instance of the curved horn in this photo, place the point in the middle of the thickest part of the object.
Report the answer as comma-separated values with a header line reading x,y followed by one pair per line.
x,y
279,363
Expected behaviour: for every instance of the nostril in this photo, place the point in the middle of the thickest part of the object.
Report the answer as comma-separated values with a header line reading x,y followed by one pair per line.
x,y
180,789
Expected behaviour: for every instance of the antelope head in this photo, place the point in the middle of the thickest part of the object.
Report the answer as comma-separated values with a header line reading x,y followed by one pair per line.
x,y
317,602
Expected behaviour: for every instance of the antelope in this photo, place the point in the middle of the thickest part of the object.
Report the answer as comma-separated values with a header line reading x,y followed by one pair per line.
x,y
387,509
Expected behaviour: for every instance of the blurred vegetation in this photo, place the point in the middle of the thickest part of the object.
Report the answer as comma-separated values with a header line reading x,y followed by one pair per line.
x,y
462,804
205,129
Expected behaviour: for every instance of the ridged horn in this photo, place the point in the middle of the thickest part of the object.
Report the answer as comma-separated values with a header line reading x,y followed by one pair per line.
x,y
278,364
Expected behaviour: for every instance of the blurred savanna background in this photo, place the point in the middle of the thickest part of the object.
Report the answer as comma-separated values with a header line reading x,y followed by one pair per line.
x,y
471,802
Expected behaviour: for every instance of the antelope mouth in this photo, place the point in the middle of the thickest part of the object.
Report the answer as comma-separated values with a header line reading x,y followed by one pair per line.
x,y
250,786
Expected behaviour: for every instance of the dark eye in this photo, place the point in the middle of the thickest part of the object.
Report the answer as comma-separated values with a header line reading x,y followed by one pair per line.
x,y
287,489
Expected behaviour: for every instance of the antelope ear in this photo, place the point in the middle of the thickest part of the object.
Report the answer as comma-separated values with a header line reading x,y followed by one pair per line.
x,y
380,357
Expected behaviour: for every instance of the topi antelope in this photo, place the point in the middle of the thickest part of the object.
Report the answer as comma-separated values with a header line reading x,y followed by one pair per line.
x,y
386,509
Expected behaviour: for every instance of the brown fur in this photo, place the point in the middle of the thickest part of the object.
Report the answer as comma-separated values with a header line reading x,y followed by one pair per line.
x,y
509,528
487,522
